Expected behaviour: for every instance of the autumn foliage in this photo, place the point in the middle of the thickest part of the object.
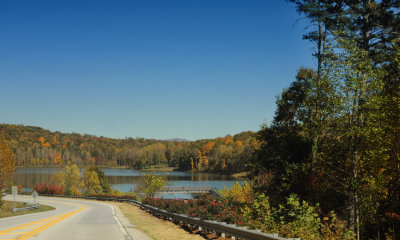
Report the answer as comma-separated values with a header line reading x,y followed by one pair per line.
x,y
242,207
52,189
7,164
38,147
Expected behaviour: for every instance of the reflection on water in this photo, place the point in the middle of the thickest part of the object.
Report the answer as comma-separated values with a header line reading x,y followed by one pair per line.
x,y
125,179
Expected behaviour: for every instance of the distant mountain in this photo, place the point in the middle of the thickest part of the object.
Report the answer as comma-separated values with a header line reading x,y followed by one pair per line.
x,y
176,140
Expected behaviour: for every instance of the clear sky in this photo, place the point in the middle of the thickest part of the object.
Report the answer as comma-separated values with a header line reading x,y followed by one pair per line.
x,y
156,69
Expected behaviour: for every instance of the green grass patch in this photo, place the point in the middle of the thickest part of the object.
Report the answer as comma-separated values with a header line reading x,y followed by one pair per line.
x,y
7,207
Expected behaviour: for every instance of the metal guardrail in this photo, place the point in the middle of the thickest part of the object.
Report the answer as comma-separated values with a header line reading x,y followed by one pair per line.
x,y
185,190
221,228
26,208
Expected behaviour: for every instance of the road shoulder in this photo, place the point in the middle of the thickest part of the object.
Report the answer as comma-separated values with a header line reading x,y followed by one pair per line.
x,y
133,233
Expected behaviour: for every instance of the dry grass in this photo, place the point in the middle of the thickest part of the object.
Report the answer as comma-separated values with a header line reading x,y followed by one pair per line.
x,y
6,209
240,175
156,228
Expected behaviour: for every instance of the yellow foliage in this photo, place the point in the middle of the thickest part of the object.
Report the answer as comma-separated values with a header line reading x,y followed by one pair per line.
x,y
42,140
227,139
208,147
57,159
117,192
223,166
205,161
92,183
240,194
192,163
239,143
69,177
7,163
199,155
54,140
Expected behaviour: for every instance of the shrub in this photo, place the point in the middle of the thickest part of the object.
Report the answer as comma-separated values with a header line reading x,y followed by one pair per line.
x,y
150,184
260,215
206,208
117,192
239,194
298,219
112,196
294,218
45,188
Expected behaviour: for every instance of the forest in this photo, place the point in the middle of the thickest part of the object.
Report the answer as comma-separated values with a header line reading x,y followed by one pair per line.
x,y
335,137
34,146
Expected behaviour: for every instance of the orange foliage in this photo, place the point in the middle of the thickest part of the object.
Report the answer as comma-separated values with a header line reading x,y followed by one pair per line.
x,y
42,140
228,139
208,147
46,144
57,159
54,140
239,143
206,161
7,162
223,166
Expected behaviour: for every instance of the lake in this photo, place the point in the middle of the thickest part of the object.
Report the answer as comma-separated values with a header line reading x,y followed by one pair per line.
x,y
125,179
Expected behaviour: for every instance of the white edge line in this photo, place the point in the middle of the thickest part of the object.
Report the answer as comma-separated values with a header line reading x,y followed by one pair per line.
x,y
126,235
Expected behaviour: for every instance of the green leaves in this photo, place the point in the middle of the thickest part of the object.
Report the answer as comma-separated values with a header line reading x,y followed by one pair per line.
x,y
150,184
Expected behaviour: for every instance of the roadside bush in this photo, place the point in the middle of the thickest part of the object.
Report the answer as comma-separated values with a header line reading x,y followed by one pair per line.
x,y
45,188
221,210
260,215
116,192
172,205
239,194
298,219
294,218
206,208
112,196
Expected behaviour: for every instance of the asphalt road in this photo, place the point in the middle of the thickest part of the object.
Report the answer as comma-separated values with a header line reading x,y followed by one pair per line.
x,y
72,219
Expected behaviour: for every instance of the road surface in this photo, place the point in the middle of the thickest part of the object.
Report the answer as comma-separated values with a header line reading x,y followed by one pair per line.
x,y
72,220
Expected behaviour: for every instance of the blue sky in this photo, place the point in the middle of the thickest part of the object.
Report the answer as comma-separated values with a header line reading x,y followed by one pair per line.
x,y
155,69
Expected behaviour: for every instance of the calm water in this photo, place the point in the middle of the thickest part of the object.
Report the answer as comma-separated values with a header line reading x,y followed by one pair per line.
x,y
125,179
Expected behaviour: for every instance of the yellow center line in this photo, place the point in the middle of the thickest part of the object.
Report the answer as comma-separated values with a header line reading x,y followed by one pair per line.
x,y
11,233
26,225
43,224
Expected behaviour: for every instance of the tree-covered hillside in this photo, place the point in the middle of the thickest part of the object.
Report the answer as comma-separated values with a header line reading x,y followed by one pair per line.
x,y
34,146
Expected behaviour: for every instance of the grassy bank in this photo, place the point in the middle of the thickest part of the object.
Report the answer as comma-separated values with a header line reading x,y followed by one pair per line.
x,y
6,210
156,228
157,169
